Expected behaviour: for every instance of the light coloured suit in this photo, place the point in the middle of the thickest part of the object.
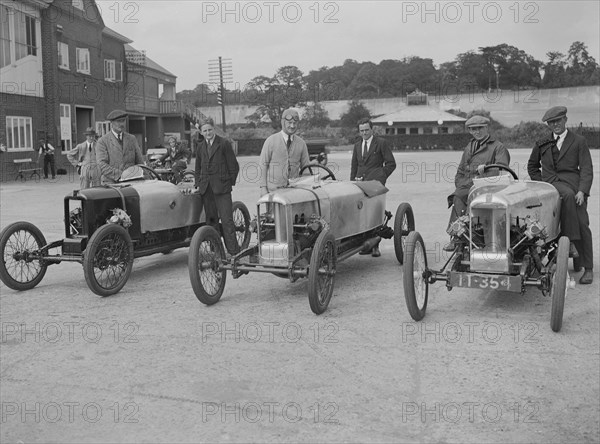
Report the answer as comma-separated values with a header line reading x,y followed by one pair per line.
x,y
84,159
113,158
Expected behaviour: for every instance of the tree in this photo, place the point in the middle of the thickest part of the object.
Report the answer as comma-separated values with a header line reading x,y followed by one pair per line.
x,y
315,116
582,68
554,70
356,111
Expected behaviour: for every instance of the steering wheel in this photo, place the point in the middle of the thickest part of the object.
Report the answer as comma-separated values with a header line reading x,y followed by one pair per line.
x,y
502,168
153,174
329,175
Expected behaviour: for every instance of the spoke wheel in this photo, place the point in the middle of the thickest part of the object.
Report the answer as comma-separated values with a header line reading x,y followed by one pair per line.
x,y
108,259
17,269
404,223
558,290
321,272
204,264
416,287
241,221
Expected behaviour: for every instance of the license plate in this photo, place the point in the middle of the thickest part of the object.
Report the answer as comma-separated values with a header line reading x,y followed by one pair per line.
x,y
486,281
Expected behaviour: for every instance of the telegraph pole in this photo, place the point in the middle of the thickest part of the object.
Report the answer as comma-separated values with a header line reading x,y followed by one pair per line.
x,y
220,72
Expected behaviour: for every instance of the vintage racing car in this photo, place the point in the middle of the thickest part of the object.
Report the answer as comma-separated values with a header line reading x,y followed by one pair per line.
x,y
303,230
508,241
106,228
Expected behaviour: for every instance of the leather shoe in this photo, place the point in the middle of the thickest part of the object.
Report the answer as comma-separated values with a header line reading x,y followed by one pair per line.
x,y
573,251
587,277
375,252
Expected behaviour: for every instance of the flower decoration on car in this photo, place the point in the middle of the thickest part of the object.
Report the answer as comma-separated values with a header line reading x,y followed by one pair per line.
x,y
120,217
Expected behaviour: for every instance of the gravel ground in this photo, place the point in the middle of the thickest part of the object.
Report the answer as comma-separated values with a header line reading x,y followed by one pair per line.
x,y
152,364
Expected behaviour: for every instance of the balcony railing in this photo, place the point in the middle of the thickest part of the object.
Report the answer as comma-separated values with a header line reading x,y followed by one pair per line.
x,y
180,107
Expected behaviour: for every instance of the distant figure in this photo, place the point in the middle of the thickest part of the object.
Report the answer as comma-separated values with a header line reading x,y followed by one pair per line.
x,y
48,151
564,160
482,150
283,154
117,150
83,157
178,156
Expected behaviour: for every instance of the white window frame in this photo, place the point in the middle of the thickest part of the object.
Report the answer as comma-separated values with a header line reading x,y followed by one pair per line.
x,y
83,60
22,139
63,55
66,128
109,70
102,128
118,71
22,37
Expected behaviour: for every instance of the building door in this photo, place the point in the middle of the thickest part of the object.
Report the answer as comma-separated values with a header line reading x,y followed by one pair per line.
x,y
84,118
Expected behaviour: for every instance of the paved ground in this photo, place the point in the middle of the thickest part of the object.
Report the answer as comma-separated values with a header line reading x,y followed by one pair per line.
x,y
152,364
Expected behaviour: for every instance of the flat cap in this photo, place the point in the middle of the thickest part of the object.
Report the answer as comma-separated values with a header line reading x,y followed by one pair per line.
x,y
556,112
116,114
89,131
477,121
290,114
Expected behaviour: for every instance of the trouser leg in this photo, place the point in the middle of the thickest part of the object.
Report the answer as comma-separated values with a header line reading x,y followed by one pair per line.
x,y
459,207
46,164
585,245
225,209
210,209
569,220
52,167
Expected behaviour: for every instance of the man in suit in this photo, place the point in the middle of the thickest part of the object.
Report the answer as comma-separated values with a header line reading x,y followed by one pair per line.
x,y
482,150
83,157
372,159
117,150
48,151
283,154
216,173
564,160
178,156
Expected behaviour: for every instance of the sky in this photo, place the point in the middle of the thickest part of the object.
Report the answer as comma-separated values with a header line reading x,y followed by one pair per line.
x,y
259,37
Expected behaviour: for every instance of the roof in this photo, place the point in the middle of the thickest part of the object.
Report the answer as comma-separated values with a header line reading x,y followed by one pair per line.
x,y
418,113
115,35
151,64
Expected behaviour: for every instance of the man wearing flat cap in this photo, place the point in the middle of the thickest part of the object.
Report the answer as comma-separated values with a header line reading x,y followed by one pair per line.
x,y
564,160
283,154
83,157
117,150
482,150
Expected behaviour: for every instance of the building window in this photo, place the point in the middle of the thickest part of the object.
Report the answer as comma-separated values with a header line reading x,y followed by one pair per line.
x,y
83,60
109,70
401,130
65,128
427,130
18,35
19,135
390,131
443,130
414,131
78,4
102,128
63,55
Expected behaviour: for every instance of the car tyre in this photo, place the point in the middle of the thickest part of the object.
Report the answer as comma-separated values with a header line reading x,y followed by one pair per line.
x,y
416,286
404,223
241,221
559,284
204,264
321,272
17,241
108,260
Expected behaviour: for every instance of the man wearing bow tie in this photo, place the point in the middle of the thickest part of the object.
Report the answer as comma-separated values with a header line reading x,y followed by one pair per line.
x,y
83,157
117,150
565,161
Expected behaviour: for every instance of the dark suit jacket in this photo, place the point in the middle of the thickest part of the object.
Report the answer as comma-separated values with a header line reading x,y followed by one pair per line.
x,y
574,166
216,166
378,164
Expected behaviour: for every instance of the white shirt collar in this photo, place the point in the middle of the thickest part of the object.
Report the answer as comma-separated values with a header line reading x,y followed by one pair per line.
x,y
561,135
369,140
285,136
116,135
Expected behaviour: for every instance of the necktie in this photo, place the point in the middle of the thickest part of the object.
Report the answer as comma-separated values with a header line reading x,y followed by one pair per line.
x,y
120,137
90,147
555,151
365,150
289,141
